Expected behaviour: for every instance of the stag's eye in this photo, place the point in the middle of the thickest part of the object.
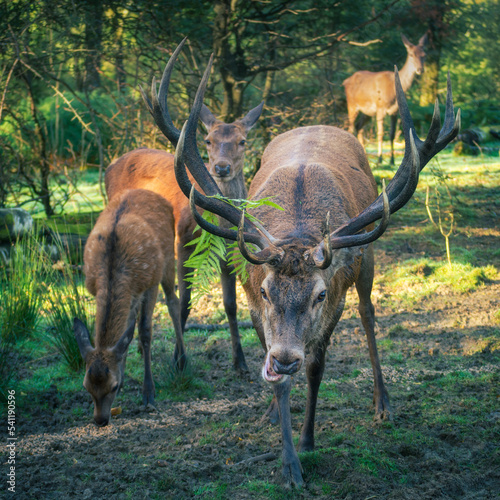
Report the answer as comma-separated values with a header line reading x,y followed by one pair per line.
x,y
321,296
207,142
264,294
242,143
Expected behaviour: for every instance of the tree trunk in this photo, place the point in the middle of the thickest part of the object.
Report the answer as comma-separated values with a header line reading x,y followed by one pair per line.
x,y
230,58
94,10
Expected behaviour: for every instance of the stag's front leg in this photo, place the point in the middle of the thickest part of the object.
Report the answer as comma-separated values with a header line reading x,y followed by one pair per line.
x,y
292,470
315,366
366,310
228,280
145,323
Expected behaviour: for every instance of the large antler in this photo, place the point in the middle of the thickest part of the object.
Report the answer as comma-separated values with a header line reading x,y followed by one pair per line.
x,y
417,155
187,154
403,184
158,107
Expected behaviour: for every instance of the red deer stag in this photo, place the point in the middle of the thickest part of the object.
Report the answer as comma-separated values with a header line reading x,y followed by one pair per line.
x,y
154,170
373,94
316,249
128,254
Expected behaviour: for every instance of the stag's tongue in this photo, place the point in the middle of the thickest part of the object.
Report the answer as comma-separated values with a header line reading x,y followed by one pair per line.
x,y
268,373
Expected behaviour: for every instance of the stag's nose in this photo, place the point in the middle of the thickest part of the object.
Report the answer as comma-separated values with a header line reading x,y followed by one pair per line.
x,y
286,369
101,421
222,170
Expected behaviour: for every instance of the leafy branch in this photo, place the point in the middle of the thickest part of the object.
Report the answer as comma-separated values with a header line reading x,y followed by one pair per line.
x,y
210,250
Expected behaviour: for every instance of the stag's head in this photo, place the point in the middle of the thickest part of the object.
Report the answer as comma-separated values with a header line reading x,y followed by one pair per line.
x,y
291,278
226,143
104,370
416,53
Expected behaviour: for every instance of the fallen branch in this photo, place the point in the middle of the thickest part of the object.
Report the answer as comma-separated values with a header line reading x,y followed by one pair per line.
x,y
266,457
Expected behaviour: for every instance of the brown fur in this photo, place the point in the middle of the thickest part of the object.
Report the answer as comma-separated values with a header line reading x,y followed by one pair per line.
x,y
374,94
294,304
154,170
129,252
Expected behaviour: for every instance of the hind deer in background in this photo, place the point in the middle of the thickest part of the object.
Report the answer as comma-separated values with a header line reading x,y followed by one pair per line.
x,y
153,169
373,94
310,254
129,252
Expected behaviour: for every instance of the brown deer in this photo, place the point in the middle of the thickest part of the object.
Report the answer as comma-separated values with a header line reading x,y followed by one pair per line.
x,y
373,94
129,252
154,170
310,254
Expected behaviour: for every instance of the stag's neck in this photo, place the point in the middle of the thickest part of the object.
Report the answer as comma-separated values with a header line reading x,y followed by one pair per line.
x,y
407,74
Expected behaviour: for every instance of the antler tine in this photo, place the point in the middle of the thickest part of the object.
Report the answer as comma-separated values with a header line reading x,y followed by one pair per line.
x,y
417,155
192,157
187,154
158,106
364,238
265,256
214,205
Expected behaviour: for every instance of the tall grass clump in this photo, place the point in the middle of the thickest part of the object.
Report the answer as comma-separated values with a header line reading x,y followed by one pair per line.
x,y
21,289
67,299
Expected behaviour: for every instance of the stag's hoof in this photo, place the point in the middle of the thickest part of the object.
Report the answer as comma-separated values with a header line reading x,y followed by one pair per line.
x,y
383,412
148,407
292,475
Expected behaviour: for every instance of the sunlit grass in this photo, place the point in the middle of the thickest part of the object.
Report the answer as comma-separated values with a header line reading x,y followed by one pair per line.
x,y
414,279
22,289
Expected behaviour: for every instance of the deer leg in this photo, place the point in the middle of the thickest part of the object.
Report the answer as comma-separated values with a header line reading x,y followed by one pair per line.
x,y
380,135
145,323
315,366
364,285
173,304
228,281
292,470
183,254
394,119
353,113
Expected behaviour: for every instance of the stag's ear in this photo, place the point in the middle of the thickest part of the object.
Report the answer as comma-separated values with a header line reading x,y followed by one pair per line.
x,y
207,117
407,42
249,120
82,338
120,348
423,41
343,258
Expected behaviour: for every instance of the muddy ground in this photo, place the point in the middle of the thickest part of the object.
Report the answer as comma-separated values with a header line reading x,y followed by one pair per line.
x,y
441,369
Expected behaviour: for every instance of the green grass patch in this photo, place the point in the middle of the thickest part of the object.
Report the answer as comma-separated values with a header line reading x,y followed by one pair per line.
x,y
417,278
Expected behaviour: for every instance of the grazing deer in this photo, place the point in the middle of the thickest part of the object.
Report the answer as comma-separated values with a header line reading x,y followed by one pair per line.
x,y
154,170
310,254
373,94
129,252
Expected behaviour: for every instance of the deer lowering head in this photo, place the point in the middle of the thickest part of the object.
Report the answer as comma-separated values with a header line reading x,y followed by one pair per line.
x,y
129,252
104,371
311,253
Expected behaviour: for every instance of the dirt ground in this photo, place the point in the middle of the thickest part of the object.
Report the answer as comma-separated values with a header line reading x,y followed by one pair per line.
x,y
221,447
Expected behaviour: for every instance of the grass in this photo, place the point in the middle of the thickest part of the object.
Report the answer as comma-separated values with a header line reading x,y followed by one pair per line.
x,y
444,404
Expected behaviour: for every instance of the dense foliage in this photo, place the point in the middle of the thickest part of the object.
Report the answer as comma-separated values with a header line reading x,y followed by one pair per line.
x,y
69,71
